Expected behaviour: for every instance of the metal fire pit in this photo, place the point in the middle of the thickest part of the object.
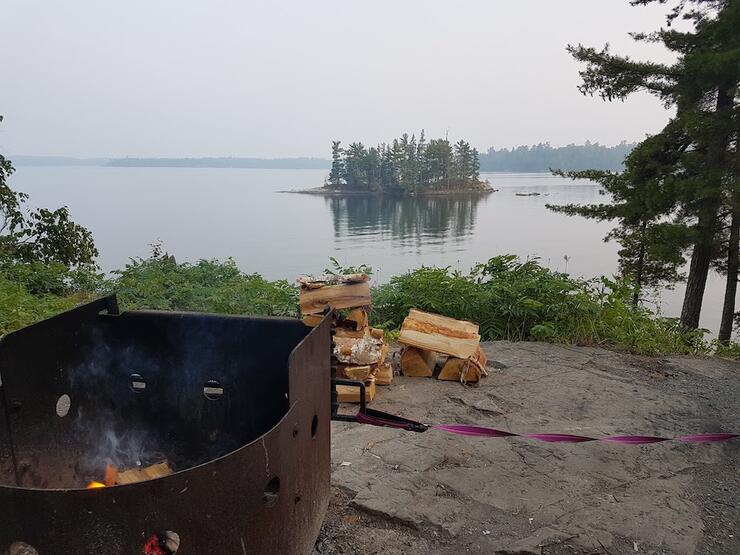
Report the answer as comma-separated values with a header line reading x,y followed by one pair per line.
x,y
240,407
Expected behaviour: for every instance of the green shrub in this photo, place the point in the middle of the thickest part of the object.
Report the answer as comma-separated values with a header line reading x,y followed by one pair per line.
x,y
508,298
161,283
19,308
516,300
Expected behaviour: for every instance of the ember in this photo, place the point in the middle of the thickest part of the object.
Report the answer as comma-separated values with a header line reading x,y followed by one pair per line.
x,y
164,543
95,485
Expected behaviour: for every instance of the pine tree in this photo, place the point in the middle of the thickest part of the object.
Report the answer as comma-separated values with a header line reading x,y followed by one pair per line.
x,y
641,196
336,175
703,86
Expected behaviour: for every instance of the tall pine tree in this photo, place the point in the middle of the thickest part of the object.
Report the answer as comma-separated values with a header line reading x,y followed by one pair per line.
x,y
703,87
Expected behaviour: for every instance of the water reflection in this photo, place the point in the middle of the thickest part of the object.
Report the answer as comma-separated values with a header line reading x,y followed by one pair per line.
x,y
407,221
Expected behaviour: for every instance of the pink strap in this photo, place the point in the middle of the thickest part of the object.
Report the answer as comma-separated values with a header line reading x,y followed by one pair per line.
x,y
480,431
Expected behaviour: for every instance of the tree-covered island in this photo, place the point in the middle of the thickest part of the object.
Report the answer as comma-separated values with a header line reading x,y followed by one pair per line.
x,y
407,166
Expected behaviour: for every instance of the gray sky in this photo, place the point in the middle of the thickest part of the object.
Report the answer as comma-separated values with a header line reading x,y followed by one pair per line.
x,y
231,78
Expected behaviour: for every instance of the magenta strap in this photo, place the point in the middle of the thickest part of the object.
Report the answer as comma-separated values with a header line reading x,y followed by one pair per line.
x,y
479,431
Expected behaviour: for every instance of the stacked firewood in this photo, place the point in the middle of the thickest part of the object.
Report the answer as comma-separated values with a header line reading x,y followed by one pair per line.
x,y
425,336
360,351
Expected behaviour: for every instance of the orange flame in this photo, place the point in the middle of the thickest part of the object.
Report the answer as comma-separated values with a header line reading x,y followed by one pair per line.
x,y
110,479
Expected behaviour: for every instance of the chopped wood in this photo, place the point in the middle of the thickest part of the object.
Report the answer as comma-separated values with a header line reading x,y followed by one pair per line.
x,y
312,320
427,322
365,350
134,475
311,282
439,333
351,394
377,333
383,353
384,374
359,373
462,370
357,318
453,368
346,332
418,362
314,301
481,357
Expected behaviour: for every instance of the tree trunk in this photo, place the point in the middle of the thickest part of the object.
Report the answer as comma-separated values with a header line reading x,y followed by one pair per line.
x,y
706,226
728,308
698,272
640,267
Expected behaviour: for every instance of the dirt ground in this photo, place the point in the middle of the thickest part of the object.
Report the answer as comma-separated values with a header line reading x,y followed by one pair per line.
x,y
397,492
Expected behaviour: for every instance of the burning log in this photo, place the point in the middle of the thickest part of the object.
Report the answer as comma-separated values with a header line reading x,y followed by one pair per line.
x,y
115,477
148,473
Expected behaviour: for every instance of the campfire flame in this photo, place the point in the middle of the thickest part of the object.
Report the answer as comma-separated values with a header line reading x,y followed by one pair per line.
x,y
110,479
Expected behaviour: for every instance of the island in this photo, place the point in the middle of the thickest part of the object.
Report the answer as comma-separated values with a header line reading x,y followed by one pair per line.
x,y
406,166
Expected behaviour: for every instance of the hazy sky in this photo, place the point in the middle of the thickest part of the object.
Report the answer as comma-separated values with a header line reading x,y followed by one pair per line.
x,y
236,78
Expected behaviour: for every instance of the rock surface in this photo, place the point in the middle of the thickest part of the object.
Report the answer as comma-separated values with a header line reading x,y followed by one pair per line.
x,y
398,492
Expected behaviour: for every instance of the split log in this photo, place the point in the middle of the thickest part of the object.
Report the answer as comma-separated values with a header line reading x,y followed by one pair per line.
x,y
346,332
366,350
312,320
377,333
433,332
357,318
384,374
463,370
418,362
383,352
140,474
317,282
481,357
314,301
351,394
359,373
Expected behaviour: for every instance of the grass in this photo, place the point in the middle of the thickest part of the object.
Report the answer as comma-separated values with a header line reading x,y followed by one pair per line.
x,y
509,298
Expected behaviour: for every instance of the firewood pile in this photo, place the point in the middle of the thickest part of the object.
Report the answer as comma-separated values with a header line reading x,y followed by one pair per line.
x,y
425,336
360,351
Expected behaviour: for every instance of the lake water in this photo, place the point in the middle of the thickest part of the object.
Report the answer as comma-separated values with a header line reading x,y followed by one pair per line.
x,y
241,213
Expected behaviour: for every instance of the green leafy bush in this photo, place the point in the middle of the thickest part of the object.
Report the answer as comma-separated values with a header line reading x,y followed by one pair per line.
x,y
161,283
19,307
516,300
509,298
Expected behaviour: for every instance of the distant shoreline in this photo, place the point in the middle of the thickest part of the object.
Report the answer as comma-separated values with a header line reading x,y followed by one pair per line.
x,y
326,192
300,163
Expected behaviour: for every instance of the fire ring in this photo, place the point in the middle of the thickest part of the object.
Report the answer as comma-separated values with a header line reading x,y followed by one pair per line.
x,y
206,433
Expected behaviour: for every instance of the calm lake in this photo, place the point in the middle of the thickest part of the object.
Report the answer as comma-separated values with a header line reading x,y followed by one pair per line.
x,y
240,213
